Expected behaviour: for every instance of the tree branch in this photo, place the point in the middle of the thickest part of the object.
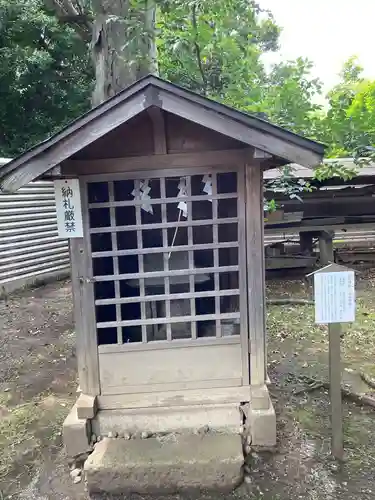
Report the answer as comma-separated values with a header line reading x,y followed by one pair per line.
x,y
198,49
290,301
355,397
368,380
79,7
72,13
75,18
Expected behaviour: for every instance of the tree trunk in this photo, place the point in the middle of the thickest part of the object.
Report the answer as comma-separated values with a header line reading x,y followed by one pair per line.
x,y
123,45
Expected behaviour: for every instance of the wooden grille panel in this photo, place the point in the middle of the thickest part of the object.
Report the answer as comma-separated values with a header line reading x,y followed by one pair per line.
x,y
167,259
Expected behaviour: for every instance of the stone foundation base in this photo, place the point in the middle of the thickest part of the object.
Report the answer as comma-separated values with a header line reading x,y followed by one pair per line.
x,y
224,418
76,434
263,427
257,421
168,465
260,424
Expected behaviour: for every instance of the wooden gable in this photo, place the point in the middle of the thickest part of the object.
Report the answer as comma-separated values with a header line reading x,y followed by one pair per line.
x,y
192,122
136,138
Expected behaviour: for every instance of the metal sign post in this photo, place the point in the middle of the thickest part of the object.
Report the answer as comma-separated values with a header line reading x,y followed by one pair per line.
x,y
334,294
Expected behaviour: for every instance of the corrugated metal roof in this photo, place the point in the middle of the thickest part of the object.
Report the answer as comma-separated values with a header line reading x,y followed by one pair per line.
x,y
301,172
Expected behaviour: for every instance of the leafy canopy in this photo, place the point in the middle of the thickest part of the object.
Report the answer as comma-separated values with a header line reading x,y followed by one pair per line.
x,y
213,47
45,74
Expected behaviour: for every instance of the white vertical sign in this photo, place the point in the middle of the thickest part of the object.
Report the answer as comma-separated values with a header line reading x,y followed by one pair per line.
x,y
68,208
334,294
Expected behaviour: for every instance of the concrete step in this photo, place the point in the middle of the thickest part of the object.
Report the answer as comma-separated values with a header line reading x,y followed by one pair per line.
x,y
221,417
171,464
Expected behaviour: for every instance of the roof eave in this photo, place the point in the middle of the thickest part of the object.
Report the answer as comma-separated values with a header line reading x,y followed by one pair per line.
x,y
152,91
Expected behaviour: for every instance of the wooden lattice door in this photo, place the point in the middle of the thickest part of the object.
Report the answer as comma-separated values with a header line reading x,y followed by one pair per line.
x,y
168,260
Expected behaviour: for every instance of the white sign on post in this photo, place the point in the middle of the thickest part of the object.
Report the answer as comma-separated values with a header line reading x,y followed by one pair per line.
x,y
68,208
334,290
334,294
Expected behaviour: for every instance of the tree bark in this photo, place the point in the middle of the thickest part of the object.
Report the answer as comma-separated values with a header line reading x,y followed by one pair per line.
x,y
123,45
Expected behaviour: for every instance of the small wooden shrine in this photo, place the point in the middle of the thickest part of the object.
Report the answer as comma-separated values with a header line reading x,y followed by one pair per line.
x,y
160,191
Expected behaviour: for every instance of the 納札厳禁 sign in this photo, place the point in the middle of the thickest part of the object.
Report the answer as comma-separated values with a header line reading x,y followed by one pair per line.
x,y
68,208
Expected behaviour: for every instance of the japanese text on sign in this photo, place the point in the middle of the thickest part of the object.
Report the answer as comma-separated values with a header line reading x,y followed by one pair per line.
x,y
334,294
68,208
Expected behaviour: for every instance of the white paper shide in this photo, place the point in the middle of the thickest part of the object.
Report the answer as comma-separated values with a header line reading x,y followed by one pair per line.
x,y
334,297
68,208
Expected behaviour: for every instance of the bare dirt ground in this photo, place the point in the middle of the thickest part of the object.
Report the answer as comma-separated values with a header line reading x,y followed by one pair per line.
x,y
37,389
38,384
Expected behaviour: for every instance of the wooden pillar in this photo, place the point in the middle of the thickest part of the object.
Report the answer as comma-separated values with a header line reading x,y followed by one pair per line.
x,y
306,243
334,332
255,274
158,128
326,247
84,317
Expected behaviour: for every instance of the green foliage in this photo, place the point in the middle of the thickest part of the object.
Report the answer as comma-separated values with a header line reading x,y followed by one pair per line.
x,y
213,47
288,185
334,169
349,125
288,97
269,206
45,74
361,114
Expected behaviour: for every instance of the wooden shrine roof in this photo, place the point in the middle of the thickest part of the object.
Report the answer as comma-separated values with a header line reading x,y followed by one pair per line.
x,y
281,144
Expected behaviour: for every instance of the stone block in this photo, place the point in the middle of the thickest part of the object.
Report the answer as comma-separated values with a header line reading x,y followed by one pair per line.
x,y
172,464
87,406
224,417
76,434
262,424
